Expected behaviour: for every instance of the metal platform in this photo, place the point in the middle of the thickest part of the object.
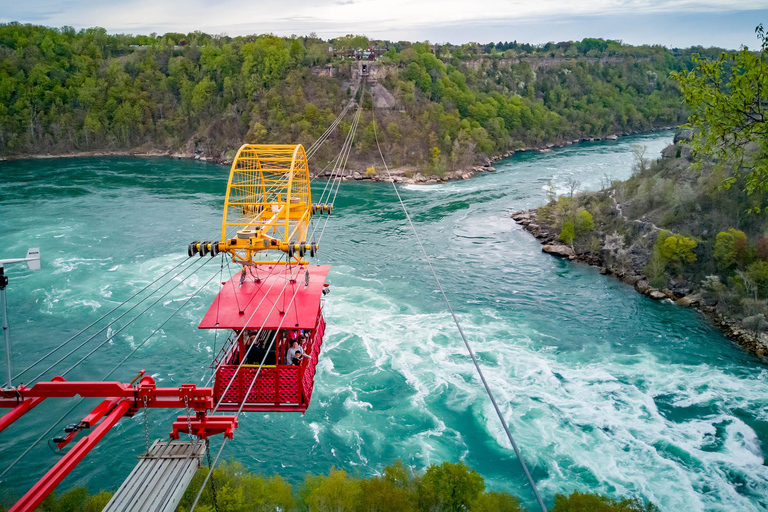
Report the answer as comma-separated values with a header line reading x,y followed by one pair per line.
x,y
159,480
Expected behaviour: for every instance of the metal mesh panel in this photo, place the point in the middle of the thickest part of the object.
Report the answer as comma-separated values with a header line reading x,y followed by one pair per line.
x,y
264,388
308,380
223,376
289,385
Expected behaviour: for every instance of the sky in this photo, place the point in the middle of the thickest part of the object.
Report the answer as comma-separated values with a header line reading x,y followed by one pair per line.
x,y
673,23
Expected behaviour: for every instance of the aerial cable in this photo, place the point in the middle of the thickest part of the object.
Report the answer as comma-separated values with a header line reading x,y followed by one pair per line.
x,y
240,409
344,147
344,159
116,367
245,325
109,338
461,332
319,142
122,315
99,319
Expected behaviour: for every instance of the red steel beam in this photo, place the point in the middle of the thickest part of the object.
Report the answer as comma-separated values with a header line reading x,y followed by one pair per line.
x,y
197,398
205,426
20,410
56,474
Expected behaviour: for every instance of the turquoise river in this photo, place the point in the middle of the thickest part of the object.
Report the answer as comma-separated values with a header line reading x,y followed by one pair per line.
x,y
605,390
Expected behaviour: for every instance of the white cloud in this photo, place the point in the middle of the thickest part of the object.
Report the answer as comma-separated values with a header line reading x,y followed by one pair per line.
x,y
390,19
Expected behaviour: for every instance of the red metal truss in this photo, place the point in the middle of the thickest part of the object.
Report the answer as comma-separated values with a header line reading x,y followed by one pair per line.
x,y
120,399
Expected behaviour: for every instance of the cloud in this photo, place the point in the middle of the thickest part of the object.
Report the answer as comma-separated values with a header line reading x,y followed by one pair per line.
x,y
437,20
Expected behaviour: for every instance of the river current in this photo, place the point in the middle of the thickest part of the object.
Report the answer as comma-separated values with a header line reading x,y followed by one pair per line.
x,y
605,390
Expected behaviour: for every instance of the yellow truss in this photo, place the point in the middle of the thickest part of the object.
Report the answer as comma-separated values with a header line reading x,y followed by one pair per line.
x,y
268,203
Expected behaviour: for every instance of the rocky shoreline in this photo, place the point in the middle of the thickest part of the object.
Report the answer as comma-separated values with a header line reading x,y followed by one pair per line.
x,y
756,345
407,175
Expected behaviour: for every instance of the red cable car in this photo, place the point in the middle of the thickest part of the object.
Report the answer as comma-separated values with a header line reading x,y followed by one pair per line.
x,y
273,301
257,312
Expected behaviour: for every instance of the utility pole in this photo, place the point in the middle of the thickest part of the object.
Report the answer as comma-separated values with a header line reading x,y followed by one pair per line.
x,y
33,262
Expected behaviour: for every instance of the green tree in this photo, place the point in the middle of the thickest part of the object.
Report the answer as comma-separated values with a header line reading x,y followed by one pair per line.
x,y
730,248
496,502
333,493
580,502
758,274
584,223
727,99
679,250
449,487
567,234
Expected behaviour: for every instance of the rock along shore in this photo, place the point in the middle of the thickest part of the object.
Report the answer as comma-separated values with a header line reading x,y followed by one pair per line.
x,y
407,175
757,345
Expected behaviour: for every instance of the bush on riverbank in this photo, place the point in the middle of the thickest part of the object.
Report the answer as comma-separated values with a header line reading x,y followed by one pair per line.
x,y
442,488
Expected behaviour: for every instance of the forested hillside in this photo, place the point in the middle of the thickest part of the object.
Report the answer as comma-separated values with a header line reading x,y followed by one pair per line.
x,y
63,91
692,225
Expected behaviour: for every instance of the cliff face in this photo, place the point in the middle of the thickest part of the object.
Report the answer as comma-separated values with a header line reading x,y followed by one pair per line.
x,y
672,232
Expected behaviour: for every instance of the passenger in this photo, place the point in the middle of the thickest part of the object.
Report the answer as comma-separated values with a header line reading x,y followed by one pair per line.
x,y
292,351
297,357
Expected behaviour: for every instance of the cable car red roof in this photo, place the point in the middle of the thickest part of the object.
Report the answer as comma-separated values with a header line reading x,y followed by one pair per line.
x,y
225,312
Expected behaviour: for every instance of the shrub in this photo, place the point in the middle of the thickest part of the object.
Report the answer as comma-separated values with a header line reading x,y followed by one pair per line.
x,y
584,222
679,250
449,487
568,233
371,171
578,502
730,248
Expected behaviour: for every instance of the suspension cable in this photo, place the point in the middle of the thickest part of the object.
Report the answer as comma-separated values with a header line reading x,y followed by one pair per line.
x,y
461,331
114,369
124,326
81,331
319,142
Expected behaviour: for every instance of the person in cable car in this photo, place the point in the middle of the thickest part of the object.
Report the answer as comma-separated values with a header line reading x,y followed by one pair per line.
x,y
292,352
298,357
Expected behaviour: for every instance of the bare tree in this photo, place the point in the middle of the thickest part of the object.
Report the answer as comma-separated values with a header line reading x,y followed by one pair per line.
x,y
641,162
573,185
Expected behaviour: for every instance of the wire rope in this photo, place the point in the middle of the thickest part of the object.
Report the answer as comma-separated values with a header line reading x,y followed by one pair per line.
x,y
488,390
109,374
124,326
81,331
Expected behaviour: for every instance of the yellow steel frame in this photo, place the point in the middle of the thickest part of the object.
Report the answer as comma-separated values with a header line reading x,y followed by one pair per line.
x,y
268,202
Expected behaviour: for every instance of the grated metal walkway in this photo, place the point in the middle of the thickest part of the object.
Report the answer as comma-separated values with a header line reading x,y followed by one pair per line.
x,y
159,480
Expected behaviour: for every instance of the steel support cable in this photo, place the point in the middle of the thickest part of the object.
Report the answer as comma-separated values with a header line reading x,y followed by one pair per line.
x,y
292,278
461,332
335,179
347,141
258,333
343,157
245,326
109,338
240,409
99,320
338,184
121,316
320,140
116,367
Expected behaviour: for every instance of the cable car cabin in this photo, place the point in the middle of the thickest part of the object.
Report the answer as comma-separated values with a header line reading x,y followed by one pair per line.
x,y
265,308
